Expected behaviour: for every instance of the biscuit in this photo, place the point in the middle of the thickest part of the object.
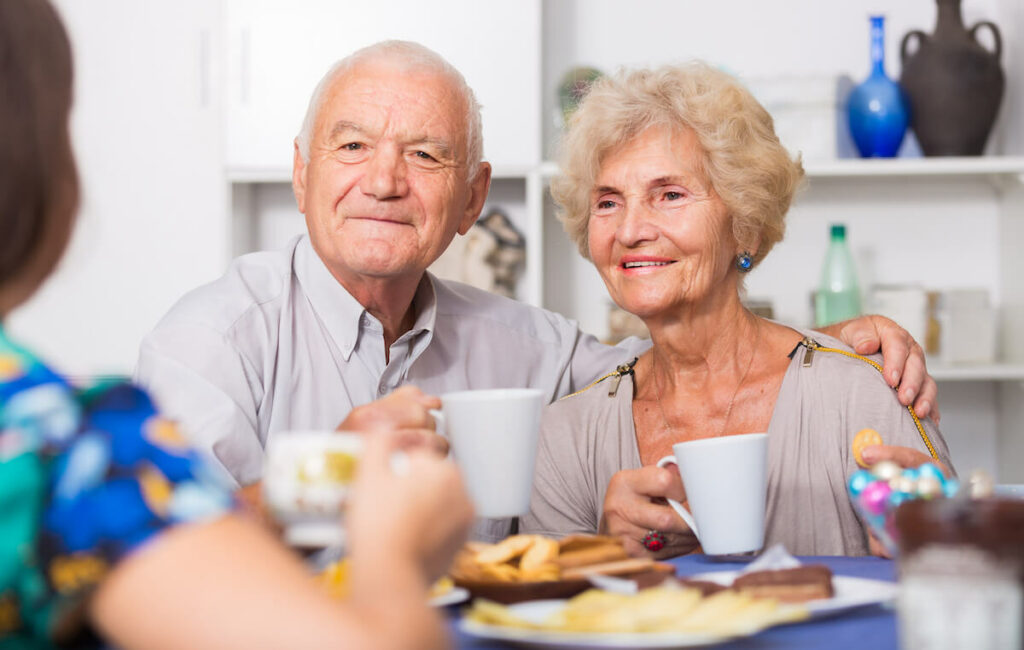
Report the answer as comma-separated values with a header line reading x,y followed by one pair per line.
x,y
864,438
505,550
542,551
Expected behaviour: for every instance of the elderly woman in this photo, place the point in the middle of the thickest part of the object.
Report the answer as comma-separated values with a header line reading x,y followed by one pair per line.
x,y
675,187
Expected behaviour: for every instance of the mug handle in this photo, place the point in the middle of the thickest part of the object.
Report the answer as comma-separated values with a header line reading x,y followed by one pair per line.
x,y
678,507
439,424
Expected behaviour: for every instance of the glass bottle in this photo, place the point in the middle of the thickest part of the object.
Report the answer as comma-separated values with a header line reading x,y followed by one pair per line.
x,y
877,109
838,296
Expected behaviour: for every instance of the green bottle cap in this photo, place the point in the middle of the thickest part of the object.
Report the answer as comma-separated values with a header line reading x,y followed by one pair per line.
x,y
838,231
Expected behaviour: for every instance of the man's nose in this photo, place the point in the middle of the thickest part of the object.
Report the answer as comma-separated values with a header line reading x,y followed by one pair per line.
x,y
637,225
385,175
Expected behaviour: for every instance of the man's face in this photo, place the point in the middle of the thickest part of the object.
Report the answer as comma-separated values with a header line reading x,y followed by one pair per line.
x,y
387,183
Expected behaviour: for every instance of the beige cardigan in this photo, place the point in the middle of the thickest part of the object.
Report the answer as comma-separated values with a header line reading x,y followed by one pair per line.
x,y
588,437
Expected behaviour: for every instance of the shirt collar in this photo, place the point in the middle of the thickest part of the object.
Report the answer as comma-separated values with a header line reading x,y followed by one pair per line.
x,y
425,304
341,313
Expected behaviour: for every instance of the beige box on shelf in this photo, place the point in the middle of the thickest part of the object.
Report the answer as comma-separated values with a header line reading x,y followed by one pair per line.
x,y
968,322
808,112
905,304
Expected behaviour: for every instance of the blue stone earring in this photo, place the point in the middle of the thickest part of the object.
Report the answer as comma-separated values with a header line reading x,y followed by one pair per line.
x,y
744,262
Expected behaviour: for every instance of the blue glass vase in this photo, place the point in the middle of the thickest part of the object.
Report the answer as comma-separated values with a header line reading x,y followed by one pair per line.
x,y
878,111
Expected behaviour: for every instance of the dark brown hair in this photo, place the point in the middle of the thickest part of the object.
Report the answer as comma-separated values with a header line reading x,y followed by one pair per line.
x,y
38,180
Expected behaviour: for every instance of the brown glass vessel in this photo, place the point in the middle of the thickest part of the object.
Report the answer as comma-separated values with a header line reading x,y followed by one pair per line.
x,y
953,83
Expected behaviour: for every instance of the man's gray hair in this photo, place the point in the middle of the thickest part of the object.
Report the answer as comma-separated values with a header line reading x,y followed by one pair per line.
x,y
405,53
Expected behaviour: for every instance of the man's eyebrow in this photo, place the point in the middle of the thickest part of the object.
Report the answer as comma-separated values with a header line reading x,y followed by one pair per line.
x,y
342,126
442,146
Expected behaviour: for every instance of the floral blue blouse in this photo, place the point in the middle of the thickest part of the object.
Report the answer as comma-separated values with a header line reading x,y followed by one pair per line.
x,y
85,477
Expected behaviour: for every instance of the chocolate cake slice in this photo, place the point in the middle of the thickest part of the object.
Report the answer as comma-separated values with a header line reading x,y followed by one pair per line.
x,y
705,587
797,585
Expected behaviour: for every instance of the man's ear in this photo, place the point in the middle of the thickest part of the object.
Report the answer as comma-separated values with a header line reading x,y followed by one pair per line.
x,y
299,178
479,186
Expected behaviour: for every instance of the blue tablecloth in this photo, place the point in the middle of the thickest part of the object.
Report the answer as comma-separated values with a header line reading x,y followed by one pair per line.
x,y
868,627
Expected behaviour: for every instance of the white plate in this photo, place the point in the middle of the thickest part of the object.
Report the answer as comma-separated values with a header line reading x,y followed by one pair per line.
x,y
538,610
453,596
850,593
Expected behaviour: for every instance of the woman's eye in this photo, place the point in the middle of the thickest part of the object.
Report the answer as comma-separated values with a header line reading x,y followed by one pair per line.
x,y
605,205
352,146
673,196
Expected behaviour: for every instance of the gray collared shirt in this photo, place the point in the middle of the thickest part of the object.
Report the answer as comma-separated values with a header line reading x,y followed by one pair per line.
x,y
277,344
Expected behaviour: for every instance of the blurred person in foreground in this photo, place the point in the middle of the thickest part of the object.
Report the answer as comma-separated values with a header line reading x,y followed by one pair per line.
x,y
108,521
675,186
388,169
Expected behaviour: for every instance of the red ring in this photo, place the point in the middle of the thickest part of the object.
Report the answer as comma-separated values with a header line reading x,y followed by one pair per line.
x,y
653,541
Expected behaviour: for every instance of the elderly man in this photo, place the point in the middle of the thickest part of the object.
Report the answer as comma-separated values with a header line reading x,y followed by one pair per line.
x,y
387,170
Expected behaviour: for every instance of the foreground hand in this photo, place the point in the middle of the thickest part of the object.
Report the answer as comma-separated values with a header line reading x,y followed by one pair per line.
x,y
421,513
903,358
903,456
629,511
406,411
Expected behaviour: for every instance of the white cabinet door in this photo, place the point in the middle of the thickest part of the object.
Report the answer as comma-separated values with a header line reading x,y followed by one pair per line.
x,y
278,50
153,218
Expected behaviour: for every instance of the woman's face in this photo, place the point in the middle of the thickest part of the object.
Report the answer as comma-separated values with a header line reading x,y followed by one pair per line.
x,y
659,235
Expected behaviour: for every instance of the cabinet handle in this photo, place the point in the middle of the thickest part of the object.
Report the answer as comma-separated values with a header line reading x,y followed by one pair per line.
x,y
204,68
243,68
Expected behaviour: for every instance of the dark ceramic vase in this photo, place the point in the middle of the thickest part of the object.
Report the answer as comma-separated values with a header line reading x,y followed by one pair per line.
x,y
954,84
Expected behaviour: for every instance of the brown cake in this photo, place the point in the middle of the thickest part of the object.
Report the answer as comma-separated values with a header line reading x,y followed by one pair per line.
x,y
705,587
788,585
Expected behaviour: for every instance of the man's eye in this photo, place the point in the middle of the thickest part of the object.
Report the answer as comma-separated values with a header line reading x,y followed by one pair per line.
x,y
352,146
424,155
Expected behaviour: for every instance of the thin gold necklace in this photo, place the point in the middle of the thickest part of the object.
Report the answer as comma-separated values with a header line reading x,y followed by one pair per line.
x,y
732,400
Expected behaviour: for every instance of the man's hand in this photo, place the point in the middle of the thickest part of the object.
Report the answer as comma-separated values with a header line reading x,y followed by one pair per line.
x,y
406,411
903,358
630,511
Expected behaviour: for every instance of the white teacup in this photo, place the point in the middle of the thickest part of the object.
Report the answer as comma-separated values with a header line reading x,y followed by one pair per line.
x,y
726,486
307,479
493,435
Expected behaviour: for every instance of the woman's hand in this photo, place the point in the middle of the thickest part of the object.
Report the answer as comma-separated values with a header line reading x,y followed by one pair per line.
x,y
904,364
904,457
420,512
405,411
632,508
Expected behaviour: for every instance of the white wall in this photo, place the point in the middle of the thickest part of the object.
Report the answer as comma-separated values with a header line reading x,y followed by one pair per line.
x,y
146,133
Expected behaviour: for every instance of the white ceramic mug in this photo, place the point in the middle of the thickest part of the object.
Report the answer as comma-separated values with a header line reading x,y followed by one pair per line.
x,y
493,435
307,479
725,481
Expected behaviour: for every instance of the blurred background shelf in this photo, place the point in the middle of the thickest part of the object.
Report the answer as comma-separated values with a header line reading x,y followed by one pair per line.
x,y
988,166
984,372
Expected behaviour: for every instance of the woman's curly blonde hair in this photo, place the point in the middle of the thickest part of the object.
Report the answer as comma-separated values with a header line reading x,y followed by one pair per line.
x,y
743,159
